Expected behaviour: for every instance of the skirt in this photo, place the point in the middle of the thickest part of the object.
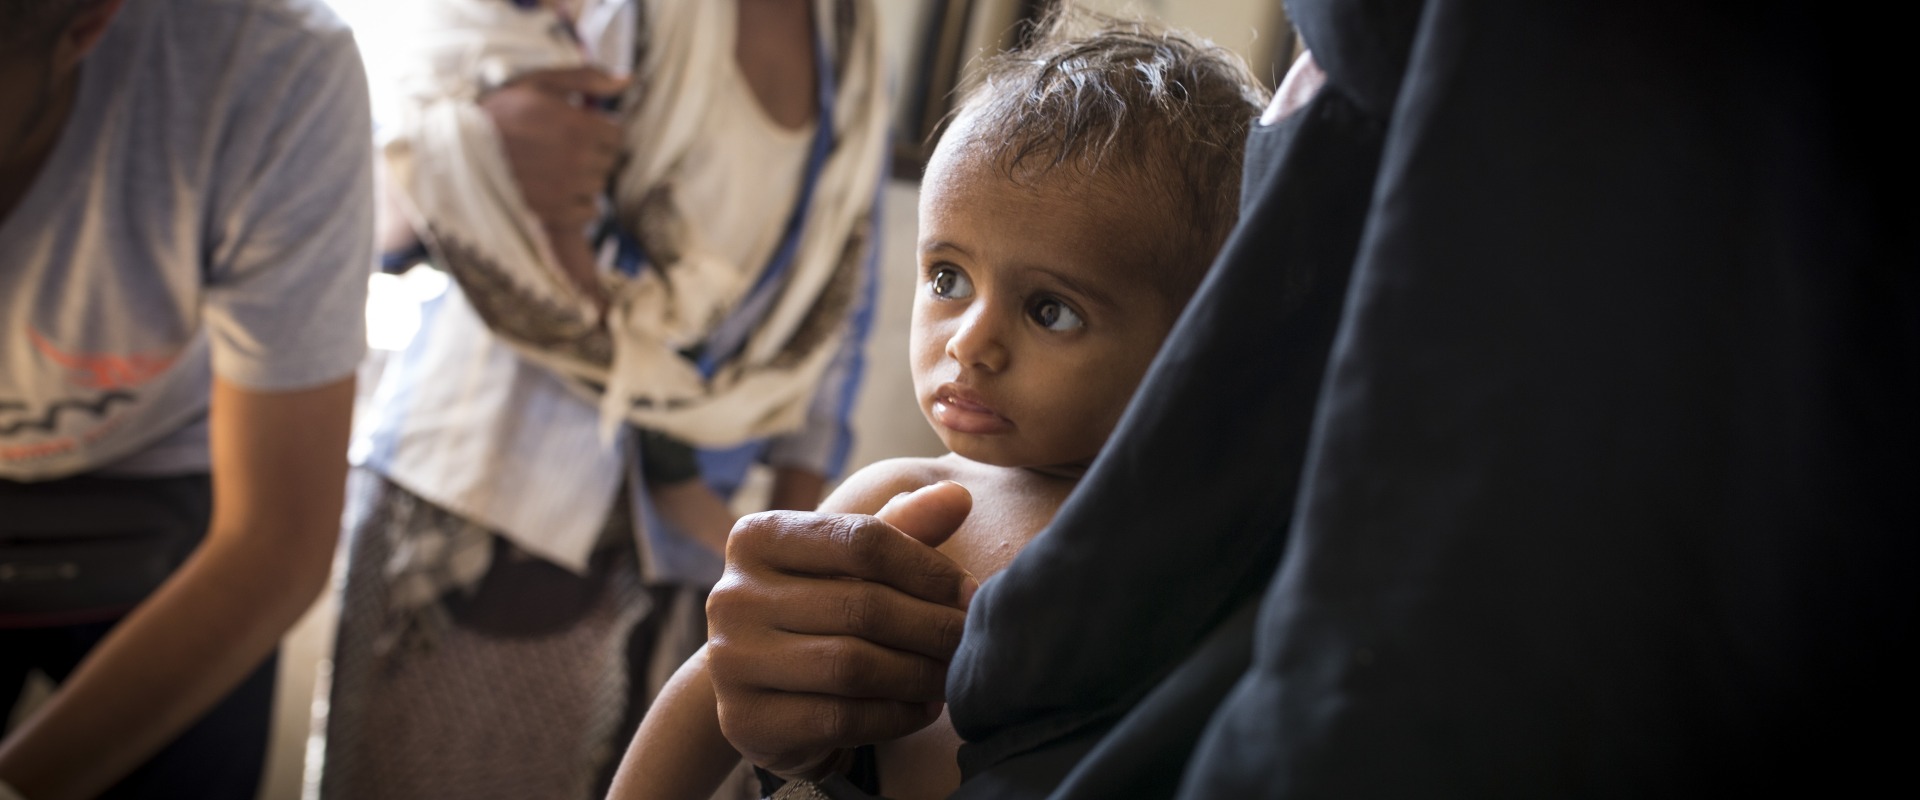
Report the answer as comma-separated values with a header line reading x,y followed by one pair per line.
x,y
527,681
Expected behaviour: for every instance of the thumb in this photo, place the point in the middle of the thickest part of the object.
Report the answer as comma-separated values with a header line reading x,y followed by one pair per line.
x,y
929,513
591,81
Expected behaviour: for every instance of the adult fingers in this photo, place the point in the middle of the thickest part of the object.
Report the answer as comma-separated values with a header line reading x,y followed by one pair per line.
x,y
841,666
797,734
563,209
827,608
591,81
594,132
847,546
599,161
588,174
930,513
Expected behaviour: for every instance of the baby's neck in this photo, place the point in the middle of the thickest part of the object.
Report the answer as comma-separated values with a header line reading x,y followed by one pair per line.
x,y
1063,472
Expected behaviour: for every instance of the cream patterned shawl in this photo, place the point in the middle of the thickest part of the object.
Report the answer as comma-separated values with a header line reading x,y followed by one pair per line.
x,y
446,161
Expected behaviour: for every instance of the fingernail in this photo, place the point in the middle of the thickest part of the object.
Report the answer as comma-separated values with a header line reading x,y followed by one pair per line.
x,y
935,485
967,589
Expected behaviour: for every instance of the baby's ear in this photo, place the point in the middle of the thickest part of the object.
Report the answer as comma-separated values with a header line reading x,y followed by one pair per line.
x,y
929,513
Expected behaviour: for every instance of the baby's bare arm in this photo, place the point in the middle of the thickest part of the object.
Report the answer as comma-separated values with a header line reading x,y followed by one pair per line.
x,y
867,491
679,752
920,764
781,636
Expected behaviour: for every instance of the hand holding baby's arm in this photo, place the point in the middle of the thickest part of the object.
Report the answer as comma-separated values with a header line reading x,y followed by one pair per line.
x,y
805,662
782,625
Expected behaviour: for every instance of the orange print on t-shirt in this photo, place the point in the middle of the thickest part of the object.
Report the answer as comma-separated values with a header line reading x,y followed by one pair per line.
x,y
104,371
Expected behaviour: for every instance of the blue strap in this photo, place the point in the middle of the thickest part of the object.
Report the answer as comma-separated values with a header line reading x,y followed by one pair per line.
x,y
730,335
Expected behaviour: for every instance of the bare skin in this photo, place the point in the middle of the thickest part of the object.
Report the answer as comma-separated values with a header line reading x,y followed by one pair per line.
x,y
279,473
37,87
1040,309
773,47
1010,507
1025,350
279,467
691,506
40,104
680,751
563,152
893,627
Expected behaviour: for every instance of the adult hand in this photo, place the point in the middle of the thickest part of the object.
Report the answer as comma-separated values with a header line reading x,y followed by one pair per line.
x,y
561,151
831,631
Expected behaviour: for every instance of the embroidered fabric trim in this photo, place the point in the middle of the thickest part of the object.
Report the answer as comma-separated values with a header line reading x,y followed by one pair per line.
x,y
800,790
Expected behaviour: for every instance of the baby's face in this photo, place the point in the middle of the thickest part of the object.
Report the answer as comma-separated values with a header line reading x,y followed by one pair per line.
x,y
1033,321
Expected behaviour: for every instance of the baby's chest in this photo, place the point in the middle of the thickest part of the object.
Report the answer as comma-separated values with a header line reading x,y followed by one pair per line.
x,y
995,532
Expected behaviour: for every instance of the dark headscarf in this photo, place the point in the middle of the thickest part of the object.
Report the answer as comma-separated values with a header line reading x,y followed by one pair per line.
x,y
1564,372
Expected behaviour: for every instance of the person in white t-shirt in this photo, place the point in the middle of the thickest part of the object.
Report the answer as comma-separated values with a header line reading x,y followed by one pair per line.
x,y
185,237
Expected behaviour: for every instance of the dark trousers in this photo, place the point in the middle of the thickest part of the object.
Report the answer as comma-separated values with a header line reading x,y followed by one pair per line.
x,y
221,756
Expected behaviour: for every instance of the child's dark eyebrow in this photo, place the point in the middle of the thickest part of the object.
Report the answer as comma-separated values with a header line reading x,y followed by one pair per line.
x,y
941,244
1073,285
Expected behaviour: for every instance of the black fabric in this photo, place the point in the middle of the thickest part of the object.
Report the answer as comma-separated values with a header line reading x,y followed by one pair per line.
x,y
665,460
524,596
1609,489
89,548
223,754
1613,494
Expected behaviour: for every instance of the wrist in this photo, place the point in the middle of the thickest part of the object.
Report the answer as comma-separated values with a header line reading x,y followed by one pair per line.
x,y
836,762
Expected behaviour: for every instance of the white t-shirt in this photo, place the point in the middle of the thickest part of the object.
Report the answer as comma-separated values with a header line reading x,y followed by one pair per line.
x,y
206,210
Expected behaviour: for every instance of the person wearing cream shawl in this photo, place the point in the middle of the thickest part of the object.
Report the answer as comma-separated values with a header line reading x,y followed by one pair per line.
x,y
542,473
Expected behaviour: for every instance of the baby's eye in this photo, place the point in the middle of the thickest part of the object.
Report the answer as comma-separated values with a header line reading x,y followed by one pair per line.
x,y
1055,315
949,284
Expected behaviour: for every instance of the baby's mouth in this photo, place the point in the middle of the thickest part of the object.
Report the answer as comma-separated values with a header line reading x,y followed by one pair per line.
x,y
961,410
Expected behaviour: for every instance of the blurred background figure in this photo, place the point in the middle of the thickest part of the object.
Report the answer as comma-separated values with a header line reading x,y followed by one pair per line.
x,y
185,237
659,222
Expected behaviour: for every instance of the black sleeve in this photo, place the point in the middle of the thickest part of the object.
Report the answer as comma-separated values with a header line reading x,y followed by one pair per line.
x,y
664,459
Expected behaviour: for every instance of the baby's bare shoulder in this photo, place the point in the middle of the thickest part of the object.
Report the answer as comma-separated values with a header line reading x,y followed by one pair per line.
x,y
864,492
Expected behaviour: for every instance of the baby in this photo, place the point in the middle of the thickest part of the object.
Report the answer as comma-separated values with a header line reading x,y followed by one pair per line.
x,y
1066,216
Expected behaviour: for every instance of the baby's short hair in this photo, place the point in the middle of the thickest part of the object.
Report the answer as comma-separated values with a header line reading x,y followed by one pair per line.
x,y
1159,110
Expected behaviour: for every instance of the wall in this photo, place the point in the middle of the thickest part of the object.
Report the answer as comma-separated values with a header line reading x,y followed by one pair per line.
x,y
1256,29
